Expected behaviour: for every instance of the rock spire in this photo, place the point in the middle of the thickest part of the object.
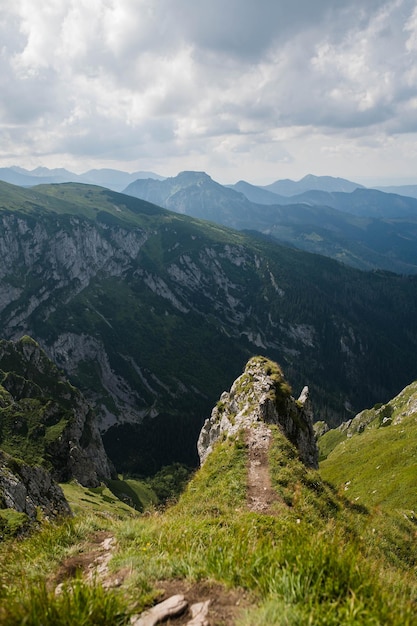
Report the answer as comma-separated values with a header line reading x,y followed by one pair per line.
x,y
261,394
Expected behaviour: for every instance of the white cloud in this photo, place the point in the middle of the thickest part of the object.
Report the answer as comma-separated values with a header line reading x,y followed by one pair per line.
x,y
229,85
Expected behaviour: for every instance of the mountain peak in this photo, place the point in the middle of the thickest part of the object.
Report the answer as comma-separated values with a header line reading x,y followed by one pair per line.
x,y
310,182
261,394
193,175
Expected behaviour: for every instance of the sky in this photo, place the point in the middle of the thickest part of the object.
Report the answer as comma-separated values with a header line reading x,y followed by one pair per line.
x,y
257,90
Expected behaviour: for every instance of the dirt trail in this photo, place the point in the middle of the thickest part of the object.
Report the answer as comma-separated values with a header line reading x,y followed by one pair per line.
x,y
92,562
261,495
223,606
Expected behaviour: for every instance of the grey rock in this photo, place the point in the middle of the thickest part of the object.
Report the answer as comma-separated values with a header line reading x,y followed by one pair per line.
x,y
173,606
261,394
27,489
78,451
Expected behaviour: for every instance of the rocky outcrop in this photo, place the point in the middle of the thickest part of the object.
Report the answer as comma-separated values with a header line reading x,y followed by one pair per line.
x,y
261,394
28,489
45,420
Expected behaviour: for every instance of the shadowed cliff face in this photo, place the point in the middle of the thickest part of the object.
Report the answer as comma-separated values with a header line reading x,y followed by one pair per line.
x,y
46,421
261,394
26,488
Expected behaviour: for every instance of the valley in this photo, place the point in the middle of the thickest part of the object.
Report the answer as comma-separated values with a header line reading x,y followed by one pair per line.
x,y
113,288
280,501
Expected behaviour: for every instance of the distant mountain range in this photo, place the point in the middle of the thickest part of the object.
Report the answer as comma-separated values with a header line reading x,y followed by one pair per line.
x,y
110,178
364,228
308,183
117,180
360,201
403,190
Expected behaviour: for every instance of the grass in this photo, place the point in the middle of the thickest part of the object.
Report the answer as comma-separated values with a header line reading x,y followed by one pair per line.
x,y
78,603
316,567
133,492
12,523
108,500
377,465
319,560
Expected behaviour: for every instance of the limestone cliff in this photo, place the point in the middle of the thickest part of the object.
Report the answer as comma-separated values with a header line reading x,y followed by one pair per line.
x,y
27,489
45,420
261,394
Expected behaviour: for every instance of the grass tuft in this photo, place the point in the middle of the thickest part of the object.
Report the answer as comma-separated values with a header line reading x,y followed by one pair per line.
x,y
77,603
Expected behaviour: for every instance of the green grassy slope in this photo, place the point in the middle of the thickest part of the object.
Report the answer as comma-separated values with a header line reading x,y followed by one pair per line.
x,y
118,498
374,459
313,562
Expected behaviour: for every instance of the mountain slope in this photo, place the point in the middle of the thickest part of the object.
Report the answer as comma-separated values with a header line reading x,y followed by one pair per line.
x,y
151,313
360,202
198,195
402,190
311,557
363,203
258,195
44,420
373,457
366,228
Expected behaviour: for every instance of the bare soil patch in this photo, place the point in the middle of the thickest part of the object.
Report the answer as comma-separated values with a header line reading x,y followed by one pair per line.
x,y
261,495
225,604
91,563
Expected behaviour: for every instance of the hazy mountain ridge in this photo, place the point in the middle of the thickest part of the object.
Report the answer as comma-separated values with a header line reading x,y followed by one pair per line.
x,y
362,203
113,288
289,187
364,228
403,190
110,178
280,191
258,195
359,202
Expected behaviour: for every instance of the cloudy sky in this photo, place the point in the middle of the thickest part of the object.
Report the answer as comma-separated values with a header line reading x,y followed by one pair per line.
x,y
243,89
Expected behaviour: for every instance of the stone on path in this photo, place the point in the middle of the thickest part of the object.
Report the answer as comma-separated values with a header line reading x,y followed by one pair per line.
x,y
169,608
199,614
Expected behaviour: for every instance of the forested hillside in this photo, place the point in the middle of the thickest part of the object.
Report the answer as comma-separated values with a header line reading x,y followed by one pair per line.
x,y
153,313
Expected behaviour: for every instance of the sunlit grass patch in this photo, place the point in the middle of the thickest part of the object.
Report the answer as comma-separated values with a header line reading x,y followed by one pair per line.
x,y
77,603
317,560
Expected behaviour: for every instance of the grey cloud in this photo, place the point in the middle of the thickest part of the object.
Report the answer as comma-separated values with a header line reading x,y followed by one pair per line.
x,y
248,29
26,100
134,77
